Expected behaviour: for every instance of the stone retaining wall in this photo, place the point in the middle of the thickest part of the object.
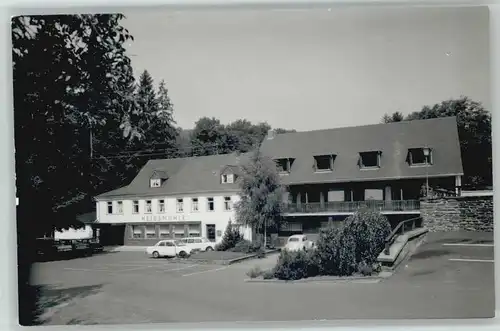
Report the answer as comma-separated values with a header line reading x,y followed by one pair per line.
x,y
458,213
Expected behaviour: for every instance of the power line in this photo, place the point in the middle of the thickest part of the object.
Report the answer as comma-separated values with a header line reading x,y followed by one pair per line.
x,y
214,148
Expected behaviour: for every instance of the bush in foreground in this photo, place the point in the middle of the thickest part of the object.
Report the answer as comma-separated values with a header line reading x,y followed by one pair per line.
x,y
351,248
245,246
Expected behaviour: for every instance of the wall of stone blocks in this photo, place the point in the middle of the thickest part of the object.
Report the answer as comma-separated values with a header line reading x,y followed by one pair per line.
x,y
458,213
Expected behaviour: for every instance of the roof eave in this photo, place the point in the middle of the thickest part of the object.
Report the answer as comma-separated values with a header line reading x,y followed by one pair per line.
x,y
348,180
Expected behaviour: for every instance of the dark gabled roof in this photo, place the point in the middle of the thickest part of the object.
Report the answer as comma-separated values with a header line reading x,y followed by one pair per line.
x,y
392,140
185,176
231,169
159,174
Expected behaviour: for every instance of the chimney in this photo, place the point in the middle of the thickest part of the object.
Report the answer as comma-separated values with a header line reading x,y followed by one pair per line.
x,y
270,134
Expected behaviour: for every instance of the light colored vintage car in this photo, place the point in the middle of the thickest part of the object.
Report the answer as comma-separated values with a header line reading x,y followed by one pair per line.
x,y
169,248
198,243
298,242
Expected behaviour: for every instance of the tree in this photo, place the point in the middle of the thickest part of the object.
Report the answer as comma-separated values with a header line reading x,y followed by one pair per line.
x,y
231,237
261,192
474,131
394,117
71,77
208,137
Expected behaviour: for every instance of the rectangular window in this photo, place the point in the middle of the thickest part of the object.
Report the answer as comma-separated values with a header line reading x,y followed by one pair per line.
x,y
161,206
284,165
178,231
194,205
228,205
336,195
136,231
135,209
323,162
180,205
292,227
227,178
120,207
150,232
110,207
374,194
419,156
155,182
194,230
148,207
370,159
210,204
164,231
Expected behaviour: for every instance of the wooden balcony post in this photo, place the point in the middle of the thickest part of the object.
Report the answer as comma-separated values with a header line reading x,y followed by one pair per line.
x,y
321,200
299,199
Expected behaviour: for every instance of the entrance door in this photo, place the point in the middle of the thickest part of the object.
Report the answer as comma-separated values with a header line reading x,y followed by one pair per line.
x,y
211,232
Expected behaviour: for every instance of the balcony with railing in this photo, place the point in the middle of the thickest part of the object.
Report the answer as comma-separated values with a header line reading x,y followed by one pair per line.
x,y
349,207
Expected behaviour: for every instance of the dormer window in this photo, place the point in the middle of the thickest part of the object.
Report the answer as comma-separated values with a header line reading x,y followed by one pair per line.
x,y
284,165
369,160
419,156
158,178
323,162
227,178
155,182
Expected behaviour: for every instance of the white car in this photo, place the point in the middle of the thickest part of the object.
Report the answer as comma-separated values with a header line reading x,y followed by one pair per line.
x,y
169,248
298,242
198,243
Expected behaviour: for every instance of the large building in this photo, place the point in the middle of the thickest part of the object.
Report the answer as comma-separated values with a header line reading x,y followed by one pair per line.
x,y
329,174
174,198
332,173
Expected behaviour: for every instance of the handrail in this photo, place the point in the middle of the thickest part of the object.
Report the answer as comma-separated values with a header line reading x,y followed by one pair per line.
x,y
392,236
352,206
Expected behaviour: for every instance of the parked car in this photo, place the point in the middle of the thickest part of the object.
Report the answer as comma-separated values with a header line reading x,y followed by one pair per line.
x,y
198,243
169,248
298,242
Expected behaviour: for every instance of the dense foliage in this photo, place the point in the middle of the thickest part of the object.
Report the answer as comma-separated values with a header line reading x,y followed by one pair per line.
x,y
261,193
343,251
231,237
474,131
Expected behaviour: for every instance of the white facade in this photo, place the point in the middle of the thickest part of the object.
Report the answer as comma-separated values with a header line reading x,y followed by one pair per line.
x,y
215,209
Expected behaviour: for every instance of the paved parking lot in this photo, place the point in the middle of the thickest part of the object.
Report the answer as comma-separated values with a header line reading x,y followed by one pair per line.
x,y
450,276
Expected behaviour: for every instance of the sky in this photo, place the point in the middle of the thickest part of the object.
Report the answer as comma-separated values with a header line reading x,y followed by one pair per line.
x,y
311,69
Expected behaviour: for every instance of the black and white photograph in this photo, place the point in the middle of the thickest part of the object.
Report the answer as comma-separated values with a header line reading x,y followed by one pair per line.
x,y
253,165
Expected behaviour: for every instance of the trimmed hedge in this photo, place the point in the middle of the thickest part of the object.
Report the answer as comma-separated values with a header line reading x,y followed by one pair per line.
x,y
352,248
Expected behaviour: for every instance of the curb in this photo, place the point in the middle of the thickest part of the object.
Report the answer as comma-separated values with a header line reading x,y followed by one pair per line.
x,y
248,257
328,279
320,280
223,262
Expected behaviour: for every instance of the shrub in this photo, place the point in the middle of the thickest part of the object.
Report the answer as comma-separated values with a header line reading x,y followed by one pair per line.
x,y
353,247
295,265
326,252
254,272
268,274
369,231
365,269
245,246
231,237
